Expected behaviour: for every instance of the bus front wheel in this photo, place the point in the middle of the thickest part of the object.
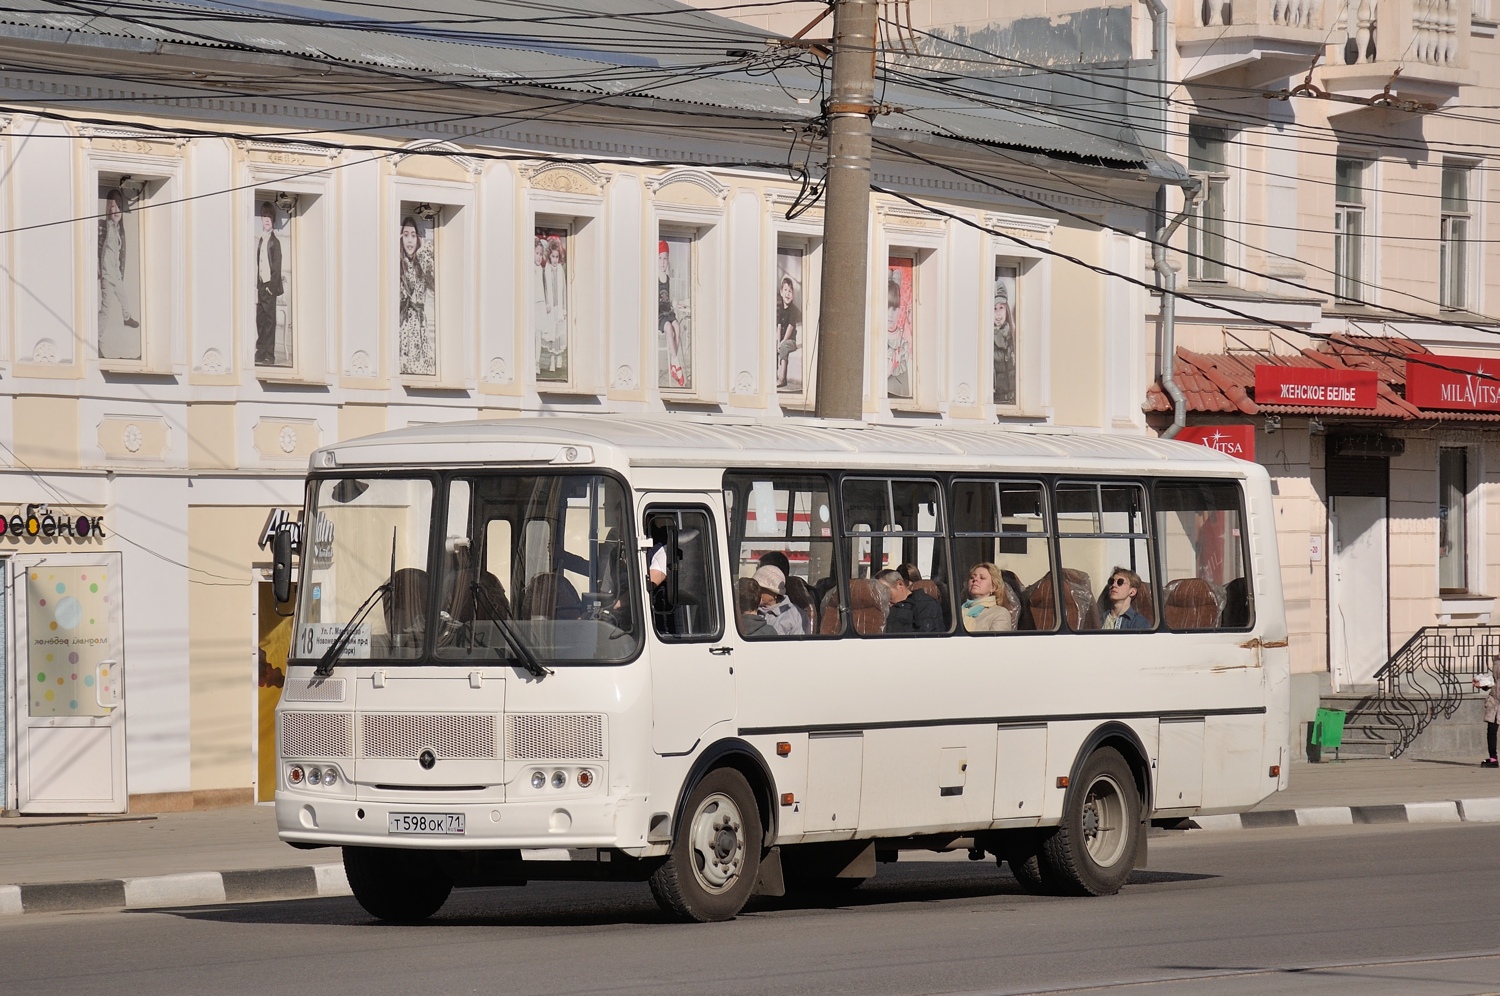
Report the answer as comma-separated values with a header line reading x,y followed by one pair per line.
x,y
715,857
396,884
1093,851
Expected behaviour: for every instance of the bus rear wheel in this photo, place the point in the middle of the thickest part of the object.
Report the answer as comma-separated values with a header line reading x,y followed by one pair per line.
x,y
1093,851
399,885
715,857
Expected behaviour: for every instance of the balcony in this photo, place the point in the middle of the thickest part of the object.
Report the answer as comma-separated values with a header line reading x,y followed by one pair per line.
x,y
1425,41
1258,41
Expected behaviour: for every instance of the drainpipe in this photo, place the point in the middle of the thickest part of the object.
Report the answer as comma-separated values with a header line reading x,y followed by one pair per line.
x,y
1168,280
1165,275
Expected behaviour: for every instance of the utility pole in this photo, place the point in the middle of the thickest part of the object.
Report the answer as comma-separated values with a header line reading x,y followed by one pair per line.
x,y
846,212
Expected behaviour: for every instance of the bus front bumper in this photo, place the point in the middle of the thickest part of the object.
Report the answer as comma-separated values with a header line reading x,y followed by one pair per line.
x,y
304,818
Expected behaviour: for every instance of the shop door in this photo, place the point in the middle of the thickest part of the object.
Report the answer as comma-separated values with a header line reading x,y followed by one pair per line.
x,y
69,684
1358,628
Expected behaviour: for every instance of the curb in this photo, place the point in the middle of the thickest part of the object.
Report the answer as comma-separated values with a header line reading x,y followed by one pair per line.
x,y
1456,811
188,889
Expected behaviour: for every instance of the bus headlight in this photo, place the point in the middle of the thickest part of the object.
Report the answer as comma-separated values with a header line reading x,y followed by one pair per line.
x,y
294,775
559,779
585,778
538,780
330,776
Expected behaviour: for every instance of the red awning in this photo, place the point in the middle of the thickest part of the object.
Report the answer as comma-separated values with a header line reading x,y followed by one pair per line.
x,y
1224,383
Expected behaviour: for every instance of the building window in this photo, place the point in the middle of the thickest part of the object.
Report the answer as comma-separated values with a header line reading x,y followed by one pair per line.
x,y
551,258
1453,517
900,327
417,277
675,287
274,267
1208,162
1004,330
121,309
1348,230
1453,250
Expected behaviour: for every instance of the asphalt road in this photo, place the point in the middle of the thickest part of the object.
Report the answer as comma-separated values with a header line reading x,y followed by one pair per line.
x,y
1375,909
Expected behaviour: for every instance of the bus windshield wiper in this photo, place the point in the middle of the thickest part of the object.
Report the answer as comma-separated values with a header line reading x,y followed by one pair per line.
x,y
512,636
341,642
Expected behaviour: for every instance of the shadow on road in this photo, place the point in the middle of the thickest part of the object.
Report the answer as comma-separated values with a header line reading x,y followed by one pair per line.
x,y
580,904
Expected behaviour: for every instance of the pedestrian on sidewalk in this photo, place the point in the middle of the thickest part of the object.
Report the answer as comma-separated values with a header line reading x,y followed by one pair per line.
x,y
1491,712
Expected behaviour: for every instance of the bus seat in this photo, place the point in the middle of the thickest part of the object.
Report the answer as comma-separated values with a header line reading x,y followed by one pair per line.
x,y
1023,614
1142,603
1236,613
800,595
828,618
1192,603
406,609
930,587
1008,597
551,596
1077,600
870,603
494,603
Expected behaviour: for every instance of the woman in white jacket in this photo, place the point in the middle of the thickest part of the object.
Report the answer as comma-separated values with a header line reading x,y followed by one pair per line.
x,y
1491,713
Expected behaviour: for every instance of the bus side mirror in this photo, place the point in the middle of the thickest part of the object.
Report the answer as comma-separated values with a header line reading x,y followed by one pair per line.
x,y
689,564
281,566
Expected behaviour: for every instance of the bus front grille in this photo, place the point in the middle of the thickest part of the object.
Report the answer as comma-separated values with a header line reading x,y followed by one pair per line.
x,y
447,735
315,734
555,737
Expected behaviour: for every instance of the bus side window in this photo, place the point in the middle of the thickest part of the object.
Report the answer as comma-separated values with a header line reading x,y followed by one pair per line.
x,y
1005,523
896,525
1105,543
684,555
1200,531
784,521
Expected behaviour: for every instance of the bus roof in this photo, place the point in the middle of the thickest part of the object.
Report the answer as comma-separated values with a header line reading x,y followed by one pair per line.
x,y
704,441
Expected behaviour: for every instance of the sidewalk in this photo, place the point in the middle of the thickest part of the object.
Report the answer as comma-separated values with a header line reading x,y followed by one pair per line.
x,y
232,855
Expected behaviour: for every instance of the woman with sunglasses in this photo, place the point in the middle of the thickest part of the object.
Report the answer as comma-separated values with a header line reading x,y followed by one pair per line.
x,y
1120,592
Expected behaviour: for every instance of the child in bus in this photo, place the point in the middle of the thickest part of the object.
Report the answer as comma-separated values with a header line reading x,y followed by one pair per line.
x,y
983,612
1121,590
747,600
775,608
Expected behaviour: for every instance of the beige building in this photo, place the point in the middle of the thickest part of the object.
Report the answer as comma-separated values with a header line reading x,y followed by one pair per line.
x,y
220,252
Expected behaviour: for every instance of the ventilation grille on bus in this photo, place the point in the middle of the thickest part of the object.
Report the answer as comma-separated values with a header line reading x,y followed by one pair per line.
x,y
314,690
450,735
555,737
315,734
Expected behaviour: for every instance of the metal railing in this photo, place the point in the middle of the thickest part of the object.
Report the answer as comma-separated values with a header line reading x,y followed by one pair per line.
x,y
1427,678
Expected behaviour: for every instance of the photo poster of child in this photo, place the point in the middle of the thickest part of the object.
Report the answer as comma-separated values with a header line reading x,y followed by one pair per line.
x,y
899,333
674,311
790,337
549,311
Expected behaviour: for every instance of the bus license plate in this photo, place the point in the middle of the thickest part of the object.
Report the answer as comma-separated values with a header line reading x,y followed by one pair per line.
x,y
451,823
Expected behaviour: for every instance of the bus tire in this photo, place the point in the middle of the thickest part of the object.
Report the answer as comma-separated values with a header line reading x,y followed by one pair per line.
x,y
1024,853
392,884
711,869
1093,851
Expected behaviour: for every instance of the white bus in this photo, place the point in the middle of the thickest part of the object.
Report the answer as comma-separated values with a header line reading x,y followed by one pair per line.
x,y
535,649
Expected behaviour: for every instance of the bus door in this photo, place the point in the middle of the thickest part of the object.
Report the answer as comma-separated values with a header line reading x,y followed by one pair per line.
x,y
692,671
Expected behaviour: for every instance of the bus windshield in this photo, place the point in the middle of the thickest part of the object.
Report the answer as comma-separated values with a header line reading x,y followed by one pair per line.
x,y
523,562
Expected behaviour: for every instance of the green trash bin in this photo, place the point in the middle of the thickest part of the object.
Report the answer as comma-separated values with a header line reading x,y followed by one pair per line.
x,y
1327,733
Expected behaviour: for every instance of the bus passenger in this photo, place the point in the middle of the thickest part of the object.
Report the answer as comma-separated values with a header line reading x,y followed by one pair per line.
x,y
778,560
775,608
983,611
912,610
1121,590
747,600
